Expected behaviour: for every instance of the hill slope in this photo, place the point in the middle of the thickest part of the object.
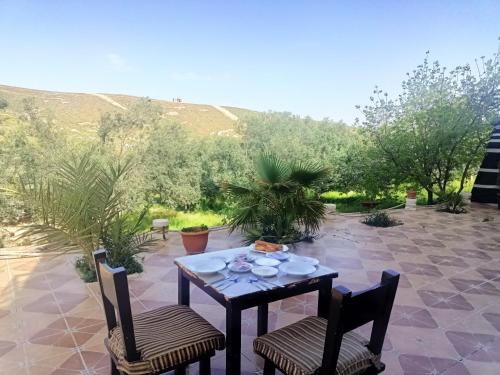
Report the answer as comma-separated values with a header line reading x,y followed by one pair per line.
x,y
79,113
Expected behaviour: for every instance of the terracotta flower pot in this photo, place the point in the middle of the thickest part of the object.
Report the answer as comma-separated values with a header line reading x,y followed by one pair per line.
x,y
195,241
412,194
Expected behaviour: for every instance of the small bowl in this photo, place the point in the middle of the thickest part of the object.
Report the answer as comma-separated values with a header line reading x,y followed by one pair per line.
x,y
280,255
264,271
267,261
240,267
244,258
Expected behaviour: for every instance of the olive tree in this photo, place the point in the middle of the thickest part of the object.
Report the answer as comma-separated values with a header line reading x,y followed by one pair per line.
x,y
436,130
172,171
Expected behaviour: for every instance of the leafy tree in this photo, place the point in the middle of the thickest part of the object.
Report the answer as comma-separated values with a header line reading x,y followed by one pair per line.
x,y
222,159
435,132
121,129
278,205
172,172
24,144
295,138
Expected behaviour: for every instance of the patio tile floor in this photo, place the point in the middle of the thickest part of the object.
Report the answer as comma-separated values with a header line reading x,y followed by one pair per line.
x,y
446,318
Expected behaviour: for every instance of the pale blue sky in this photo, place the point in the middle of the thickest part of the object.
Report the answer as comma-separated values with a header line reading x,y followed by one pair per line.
x,y
317,58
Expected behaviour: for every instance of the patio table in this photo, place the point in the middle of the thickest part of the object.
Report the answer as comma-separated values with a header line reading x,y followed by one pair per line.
x,y
243,295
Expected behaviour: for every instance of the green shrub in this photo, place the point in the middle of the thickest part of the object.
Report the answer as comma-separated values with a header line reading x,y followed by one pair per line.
x,y
380,219
123,242
280,204
452,202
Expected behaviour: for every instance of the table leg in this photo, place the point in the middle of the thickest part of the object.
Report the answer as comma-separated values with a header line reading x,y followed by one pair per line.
x,y
163,233
324,298
262,319
233,338
182,289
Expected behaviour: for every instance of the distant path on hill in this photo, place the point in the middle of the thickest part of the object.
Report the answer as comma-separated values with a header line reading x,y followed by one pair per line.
x,y
226,113
110,101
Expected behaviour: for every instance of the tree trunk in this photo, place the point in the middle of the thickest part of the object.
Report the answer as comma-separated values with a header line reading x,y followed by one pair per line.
x,y
430,198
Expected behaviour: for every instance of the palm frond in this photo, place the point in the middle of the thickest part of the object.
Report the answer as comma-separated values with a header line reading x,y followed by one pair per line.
x,y
308,174
271,169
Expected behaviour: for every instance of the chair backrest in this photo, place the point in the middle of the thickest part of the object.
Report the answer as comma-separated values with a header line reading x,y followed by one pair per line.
x,y
116,301
350,310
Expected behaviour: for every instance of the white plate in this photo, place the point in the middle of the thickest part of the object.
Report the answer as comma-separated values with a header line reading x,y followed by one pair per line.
x,y
252,247
264,271
240,267
267,261
311,261
209,266
280,255
297,268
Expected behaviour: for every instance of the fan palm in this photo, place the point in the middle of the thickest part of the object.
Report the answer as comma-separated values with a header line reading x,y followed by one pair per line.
x,y
279,206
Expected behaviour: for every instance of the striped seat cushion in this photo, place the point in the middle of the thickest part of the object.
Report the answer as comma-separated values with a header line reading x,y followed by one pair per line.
x,y
297,349
166,337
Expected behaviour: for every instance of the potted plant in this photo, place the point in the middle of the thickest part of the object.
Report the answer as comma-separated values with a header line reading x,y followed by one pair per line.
x,y
279,204
195,239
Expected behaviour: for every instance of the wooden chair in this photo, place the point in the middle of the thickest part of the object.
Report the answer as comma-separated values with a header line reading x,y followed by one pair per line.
x,y
156,341
316,345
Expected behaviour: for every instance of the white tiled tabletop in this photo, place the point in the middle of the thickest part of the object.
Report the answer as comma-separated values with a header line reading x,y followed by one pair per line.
x,y
243,286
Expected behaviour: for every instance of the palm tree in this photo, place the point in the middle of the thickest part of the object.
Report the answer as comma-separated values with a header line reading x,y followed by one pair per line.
x,y
78,207
280,205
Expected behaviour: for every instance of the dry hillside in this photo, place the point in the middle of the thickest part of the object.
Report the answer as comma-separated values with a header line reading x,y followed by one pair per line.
x,y
79,113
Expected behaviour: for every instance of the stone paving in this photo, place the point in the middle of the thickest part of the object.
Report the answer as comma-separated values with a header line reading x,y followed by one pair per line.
x,y
446,318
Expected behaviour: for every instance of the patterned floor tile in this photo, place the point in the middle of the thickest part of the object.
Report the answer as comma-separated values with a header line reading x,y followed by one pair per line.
x,y
444,300
412,316
375,255
344,263
428,242
488,246
68,332
471,253
403,248
421,365
475,286
59,302
488,274
449,264
306,304
494,319
476,347
6,346
421,269
374,277
447,261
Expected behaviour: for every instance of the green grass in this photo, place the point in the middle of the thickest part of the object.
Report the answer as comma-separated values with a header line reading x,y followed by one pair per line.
x,y
181,219
351,201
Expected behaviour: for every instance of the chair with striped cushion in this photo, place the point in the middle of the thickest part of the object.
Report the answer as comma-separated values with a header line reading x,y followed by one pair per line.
x,y
156,341
316,345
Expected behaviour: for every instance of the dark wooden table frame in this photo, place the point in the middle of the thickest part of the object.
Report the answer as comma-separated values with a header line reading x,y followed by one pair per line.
x,y
261,299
